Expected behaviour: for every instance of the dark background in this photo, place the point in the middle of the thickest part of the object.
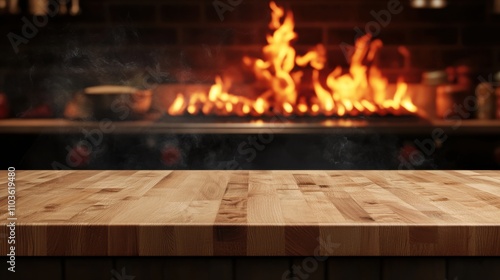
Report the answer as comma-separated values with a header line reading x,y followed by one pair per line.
x,y
112,41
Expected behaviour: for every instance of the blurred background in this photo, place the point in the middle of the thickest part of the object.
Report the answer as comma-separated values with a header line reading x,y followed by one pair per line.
x,y
93,84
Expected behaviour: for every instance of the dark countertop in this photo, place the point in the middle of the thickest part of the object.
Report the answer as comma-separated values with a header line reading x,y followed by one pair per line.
x,y
332,126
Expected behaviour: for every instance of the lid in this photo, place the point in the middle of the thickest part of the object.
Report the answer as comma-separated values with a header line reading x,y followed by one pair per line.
x,y
484,90
497,76
2,79
109,89
453,90
434,78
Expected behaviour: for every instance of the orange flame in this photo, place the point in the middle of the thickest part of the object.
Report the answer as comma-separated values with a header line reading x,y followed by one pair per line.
x,y
363,90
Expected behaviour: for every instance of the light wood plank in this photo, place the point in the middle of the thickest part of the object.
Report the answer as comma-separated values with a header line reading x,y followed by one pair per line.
x,y
255,213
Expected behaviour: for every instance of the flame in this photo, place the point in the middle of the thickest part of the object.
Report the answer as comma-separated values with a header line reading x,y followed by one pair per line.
x,y
361,90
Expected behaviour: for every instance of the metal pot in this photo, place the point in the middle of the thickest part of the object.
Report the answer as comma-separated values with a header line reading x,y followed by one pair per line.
x,y
110,102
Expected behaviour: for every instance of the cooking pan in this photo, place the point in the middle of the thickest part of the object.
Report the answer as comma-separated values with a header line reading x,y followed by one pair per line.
x,y
109,102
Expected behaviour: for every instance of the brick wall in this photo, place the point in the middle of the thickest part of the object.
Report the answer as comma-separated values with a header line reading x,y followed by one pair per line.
x,y
112,40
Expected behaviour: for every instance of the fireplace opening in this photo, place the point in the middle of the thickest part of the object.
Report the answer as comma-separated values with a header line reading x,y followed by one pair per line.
x,y
362,90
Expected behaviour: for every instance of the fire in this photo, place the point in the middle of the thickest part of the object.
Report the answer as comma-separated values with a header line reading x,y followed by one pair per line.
x,y
362,90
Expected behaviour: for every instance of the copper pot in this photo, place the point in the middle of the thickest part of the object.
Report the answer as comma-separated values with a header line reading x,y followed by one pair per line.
x,y
110,102
447,96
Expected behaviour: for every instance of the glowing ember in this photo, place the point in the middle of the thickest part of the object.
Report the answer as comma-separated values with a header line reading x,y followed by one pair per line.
x,y
363,90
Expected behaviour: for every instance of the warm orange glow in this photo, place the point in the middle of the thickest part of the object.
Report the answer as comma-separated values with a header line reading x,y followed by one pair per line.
x,y
362,89
288,108
177,105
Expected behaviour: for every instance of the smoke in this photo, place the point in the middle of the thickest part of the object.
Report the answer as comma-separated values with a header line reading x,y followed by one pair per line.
x,y
63,60
366,151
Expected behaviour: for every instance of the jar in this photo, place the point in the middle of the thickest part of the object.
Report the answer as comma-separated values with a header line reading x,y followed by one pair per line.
x,y
485,97
456,93
498,103
430,82
448,96
434,78
4,104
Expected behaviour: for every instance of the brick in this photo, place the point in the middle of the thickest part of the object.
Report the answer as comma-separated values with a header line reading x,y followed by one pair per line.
x,y
409,76
156,36
456,11
249,36
181,13
399,36
418,36
132,13
309,36
116,35
495,18
481,36
130,58
367,8
475,57
420,58
431,36
338,36
91,12
426,58
167,58
12,21
394,36
390,58
337,58
203,57
330,13
50,35
203,63
247,11
235,56
208,36
5,30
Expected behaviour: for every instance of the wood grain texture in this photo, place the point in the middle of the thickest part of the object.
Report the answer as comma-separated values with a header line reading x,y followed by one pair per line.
x,y
256,213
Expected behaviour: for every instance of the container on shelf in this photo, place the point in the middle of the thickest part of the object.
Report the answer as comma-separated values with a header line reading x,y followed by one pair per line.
x,y
498,103
455,94
4,104
486,101
449,96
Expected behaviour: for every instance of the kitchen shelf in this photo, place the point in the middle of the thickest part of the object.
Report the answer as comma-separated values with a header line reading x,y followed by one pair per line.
x,y
255,213
354,126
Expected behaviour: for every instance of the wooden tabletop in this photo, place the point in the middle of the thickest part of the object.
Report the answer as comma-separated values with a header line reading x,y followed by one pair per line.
x,y
254,213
